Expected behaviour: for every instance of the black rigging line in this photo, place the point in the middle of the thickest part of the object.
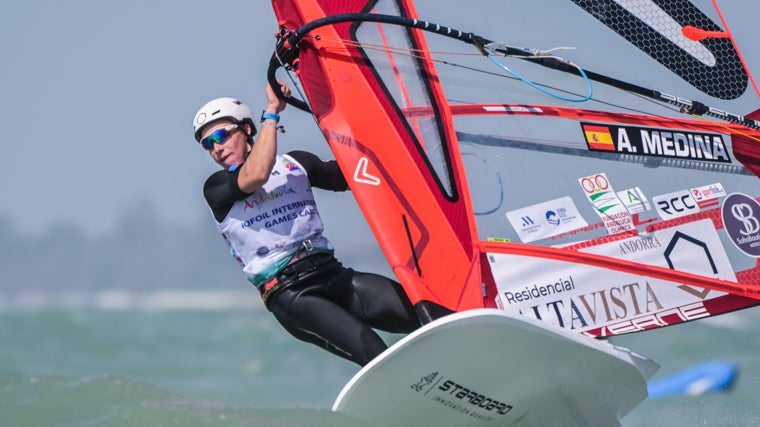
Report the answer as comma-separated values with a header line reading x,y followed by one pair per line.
x,y
287,51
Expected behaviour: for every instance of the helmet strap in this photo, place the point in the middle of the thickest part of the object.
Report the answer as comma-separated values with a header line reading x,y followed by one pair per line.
x,y
246,128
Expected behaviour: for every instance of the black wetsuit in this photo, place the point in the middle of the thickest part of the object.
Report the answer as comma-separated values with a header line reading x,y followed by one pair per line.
x,y
333,307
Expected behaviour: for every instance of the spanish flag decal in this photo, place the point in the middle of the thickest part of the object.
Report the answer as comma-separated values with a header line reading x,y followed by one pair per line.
x,y
598,137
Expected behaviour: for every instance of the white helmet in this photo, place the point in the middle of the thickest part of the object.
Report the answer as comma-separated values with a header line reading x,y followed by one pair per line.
x,y
222,108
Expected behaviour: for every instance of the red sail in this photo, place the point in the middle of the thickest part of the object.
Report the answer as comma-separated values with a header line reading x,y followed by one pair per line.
x,y
603,220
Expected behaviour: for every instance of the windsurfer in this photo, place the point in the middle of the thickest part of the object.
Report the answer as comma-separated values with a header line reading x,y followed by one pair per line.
x,y
264,207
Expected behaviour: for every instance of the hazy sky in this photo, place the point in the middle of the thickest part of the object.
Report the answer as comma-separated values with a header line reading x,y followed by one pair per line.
x,y
98,99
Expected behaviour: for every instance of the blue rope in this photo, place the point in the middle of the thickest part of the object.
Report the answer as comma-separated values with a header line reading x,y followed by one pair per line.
x,y
498,180
546,91
501,197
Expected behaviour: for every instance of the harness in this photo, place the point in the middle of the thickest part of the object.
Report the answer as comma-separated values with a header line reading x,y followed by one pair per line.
x,y
303,268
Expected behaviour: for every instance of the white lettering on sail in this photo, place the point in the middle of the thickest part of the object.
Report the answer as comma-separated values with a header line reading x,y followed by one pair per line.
x,y
675,205
683,145
668,143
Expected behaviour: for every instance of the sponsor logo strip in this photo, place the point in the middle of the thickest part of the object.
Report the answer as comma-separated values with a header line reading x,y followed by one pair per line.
x,y
634,200
546,219
606,203
741,217
676,204
584,298
708,195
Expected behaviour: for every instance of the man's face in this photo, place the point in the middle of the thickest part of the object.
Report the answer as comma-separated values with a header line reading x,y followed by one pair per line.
x,y
230,142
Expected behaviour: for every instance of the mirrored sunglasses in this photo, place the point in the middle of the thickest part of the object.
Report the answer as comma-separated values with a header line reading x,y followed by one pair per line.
x,y
218,136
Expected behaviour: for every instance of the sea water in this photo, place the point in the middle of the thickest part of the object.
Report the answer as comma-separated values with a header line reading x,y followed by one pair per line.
x,y
210,360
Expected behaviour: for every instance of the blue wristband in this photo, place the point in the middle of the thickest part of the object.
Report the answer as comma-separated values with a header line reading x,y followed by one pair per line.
x,y
265,115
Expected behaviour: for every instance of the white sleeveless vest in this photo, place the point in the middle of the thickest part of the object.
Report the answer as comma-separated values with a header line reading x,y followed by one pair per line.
x,y
267,228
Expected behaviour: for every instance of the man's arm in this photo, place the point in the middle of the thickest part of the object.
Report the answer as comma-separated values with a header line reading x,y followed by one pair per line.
x,y
258,165
324,174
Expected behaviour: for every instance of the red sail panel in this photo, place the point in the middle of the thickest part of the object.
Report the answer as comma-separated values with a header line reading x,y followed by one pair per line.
x,y
405,172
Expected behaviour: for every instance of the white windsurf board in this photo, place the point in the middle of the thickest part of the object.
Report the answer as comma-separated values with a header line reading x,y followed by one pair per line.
x,y
485,367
